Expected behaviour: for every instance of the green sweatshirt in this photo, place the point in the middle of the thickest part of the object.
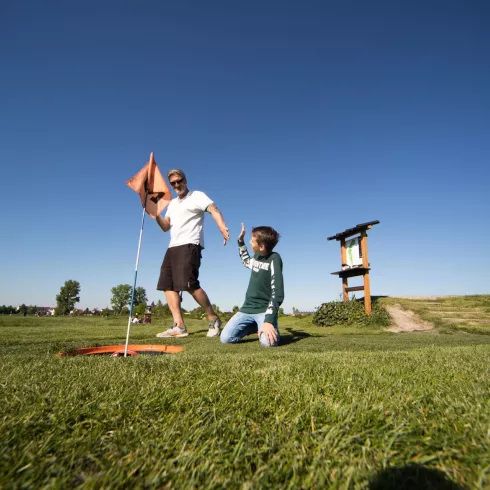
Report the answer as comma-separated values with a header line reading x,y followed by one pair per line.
x,y
266,287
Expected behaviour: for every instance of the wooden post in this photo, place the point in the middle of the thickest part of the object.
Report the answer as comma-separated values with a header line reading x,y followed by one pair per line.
x,y
343,261
364,249
367,282
344,289
367,293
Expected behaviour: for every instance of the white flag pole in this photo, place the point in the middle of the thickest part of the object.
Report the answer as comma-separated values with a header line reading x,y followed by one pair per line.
x,y
135,276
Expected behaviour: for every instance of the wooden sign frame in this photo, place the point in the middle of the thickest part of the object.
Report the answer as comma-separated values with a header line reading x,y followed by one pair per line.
x,y
363,270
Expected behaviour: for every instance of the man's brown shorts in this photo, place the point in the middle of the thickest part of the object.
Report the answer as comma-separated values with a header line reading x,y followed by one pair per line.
x,y
180,268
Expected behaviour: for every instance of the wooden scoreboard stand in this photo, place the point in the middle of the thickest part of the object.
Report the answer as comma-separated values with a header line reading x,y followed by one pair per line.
x,y
357,265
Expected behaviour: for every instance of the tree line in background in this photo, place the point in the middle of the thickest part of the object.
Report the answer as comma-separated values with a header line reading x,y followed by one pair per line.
x,y
65,302
69,296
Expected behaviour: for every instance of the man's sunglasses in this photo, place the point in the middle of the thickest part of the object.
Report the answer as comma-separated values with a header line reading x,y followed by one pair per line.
x,y
173,183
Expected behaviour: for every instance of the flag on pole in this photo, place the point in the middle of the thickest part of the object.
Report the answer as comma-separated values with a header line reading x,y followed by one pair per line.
x,y
150,179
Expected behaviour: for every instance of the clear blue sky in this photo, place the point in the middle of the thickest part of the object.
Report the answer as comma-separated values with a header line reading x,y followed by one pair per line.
x,y
308,116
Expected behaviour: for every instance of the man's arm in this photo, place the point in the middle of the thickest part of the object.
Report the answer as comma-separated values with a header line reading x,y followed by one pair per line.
x,y
213,210
163,223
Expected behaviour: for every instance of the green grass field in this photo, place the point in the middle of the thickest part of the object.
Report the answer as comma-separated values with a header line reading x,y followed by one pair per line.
x,y
339,407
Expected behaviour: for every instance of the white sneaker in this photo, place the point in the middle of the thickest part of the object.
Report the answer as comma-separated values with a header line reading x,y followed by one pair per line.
x,y
174,332
214,328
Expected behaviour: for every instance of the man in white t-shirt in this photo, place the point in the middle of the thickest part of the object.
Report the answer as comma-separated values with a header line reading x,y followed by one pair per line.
x,y
180,268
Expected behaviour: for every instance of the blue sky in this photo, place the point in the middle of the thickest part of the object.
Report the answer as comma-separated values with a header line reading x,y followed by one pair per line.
x,y
307,116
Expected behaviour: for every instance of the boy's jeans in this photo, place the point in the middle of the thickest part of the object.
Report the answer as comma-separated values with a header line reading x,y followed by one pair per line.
x,y
242,324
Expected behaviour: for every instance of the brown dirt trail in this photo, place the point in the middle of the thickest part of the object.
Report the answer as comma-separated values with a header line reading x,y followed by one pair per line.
x,y
406,321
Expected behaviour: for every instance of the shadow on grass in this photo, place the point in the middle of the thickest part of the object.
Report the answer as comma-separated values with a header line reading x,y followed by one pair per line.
x,y
373,299
295,336
412,477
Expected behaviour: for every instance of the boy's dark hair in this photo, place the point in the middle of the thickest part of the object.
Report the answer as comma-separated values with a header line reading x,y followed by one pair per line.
x,y
266,236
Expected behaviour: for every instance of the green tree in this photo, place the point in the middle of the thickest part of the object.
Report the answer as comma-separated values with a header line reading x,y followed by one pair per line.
x,y
23,309
236,309
7,310
68,297
31,310
140,296
197,313
161,310
281,312
139,310
121,296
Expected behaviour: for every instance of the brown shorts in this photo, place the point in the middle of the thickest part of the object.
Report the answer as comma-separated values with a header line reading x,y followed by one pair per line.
x,y
180,268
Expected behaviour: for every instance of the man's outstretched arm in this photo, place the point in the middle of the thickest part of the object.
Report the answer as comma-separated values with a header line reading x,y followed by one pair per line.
x,y
163,223
213,210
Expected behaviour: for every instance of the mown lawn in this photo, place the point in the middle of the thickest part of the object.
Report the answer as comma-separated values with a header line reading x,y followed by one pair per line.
x,y
340,407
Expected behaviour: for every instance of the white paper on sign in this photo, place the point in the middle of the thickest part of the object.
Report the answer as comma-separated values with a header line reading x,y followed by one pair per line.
x,y
354,253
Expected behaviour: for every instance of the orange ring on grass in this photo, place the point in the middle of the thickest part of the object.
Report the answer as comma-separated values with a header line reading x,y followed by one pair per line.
x,y
135,348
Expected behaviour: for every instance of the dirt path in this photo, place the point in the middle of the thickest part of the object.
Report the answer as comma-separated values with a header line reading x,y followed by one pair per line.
x,y
406,321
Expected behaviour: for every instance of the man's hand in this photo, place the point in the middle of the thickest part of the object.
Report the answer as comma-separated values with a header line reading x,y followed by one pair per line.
x,y
163,223
242,234
269,332
213,210
226,235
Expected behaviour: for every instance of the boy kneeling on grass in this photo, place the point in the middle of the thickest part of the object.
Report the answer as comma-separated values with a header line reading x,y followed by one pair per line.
x,y
265,291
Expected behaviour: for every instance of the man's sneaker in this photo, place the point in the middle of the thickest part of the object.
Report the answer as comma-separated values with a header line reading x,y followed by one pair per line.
x,y
214,328
174,332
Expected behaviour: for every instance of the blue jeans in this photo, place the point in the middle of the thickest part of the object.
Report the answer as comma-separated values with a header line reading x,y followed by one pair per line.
x,y
242,324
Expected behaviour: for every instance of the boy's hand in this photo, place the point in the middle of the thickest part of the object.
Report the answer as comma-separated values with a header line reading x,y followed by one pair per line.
x,y
269,332
242,234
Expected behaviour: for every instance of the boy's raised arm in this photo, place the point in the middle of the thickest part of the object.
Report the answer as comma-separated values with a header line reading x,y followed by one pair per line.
x,y
242,249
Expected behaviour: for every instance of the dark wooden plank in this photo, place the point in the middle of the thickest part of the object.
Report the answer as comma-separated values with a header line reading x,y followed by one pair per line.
x,y
355,288
352,231
355,271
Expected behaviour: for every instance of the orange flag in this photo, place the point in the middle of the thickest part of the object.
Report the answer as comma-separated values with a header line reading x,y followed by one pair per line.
x,y
149,178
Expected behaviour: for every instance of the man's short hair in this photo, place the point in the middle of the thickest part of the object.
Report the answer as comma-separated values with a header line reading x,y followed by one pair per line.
x,y
176,171
266,236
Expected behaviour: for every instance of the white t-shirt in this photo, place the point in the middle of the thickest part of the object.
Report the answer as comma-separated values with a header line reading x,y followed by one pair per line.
x,y
187,218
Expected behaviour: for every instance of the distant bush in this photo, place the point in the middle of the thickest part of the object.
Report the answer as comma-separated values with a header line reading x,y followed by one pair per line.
x,y
197,313
225,316
139,310
336,312
161,310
